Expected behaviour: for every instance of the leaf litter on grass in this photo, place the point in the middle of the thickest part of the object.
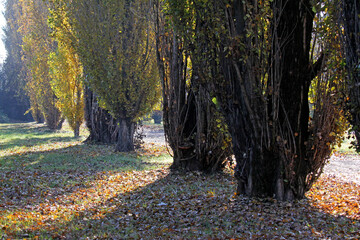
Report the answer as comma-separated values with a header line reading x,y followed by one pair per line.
x,y
101,195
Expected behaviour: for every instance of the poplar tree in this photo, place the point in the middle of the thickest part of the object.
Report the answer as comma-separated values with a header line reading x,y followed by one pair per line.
x,y
194,126
115,42
261,66
66,71
37,45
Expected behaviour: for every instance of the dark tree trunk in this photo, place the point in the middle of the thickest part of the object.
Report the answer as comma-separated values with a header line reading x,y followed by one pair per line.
x,y
126,130
292,39
60,124
239,93
191,119
351,39
77,130
102,126
37,115
52,115
268,114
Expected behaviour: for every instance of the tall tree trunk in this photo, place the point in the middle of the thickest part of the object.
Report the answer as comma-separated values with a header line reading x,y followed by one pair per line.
x,y
37,115
126,130
53,116
102,126
267,110
351,38
77,130
199,142
293,34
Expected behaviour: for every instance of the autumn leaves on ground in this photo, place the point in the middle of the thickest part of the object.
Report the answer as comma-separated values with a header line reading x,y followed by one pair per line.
x,y
52,186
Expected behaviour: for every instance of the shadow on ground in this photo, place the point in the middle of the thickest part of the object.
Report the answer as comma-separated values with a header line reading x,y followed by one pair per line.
x,y
189,206
90,192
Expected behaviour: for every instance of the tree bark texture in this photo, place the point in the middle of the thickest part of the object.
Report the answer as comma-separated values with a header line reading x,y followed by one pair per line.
x,y
126,130
190,117
351,37
102,126
268,112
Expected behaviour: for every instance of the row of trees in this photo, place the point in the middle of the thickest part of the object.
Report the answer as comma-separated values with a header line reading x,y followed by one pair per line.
x,y
81,53
263,81
274,70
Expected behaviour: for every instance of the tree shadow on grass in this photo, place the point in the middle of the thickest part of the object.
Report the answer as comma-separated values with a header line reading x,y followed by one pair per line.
x,y
90,191
43,176
28,135
33,141
24,128
189,206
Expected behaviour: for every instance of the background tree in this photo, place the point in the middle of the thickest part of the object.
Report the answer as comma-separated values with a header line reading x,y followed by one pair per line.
x,y
116,48
193,125
66,74
101,125
66,71
37,45
12,84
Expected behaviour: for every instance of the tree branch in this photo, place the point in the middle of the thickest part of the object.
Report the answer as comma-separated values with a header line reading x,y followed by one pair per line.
x,y
317,67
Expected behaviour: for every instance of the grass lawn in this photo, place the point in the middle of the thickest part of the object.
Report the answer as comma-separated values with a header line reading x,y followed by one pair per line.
x,y
52,186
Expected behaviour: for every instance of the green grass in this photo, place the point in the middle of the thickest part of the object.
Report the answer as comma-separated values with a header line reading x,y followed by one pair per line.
x,y
32,148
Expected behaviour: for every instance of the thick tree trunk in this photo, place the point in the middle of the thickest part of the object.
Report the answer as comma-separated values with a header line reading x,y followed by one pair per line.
x,y
191,119
351,40
125,141
60,124
102,126
268,119
243,109
292,39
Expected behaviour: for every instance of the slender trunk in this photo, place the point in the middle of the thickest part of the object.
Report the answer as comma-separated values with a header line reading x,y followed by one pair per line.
x,y
125,141
77,130
60,123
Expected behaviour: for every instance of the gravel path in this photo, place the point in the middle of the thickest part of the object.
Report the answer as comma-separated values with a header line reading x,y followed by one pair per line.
x,y
344,167
154,135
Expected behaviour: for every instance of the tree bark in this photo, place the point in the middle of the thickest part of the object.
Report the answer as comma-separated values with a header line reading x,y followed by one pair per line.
x,y
268,115
294,36
102,126
351,38
77,130
198,141
126,130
